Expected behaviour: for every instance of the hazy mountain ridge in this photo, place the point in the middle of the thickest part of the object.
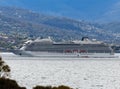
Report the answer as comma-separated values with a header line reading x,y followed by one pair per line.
x,y
22,23
112,26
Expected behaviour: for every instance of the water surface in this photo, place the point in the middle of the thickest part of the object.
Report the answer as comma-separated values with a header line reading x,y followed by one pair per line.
x,y
76,73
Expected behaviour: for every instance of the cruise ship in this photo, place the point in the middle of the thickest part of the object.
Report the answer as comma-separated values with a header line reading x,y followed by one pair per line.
x,y
84,48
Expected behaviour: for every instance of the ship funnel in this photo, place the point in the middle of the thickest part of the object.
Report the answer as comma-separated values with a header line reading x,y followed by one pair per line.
x,y
85,38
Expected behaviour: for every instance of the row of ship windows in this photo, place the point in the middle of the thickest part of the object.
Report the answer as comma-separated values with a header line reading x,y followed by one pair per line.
x,y
69,45
74,50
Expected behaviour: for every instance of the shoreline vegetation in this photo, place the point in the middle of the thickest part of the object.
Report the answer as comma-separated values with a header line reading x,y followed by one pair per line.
x,y
7,83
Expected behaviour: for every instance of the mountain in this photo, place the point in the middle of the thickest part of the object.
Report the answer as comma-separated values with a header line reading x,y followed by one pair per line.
x,y
90,10
112,26
19,24
36,24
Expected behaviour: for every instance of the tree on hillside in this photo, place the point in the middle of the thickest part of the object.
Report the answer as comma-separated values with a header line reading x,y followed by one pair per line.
x,y
4,69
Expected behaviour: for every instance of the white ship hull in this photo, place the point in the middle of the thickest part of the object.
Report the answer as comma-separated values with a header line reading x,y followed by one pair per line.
x,y
64,55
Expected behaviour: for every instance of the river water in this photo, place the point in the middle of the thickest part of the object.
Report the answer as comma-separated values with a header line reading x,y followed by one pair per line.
x,y
76,73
